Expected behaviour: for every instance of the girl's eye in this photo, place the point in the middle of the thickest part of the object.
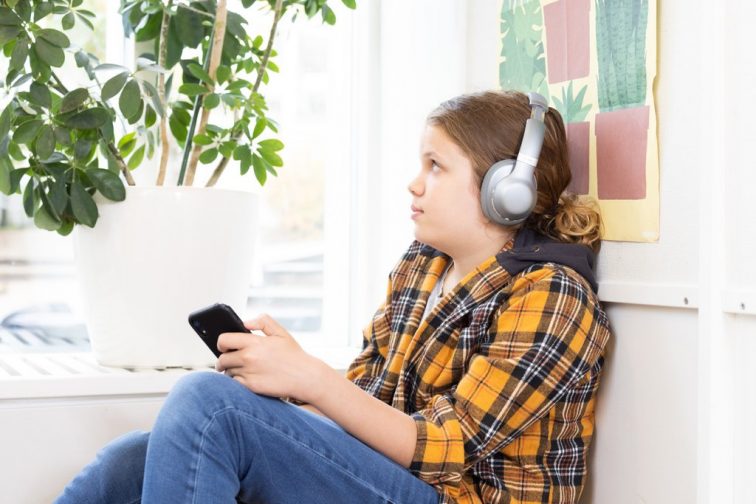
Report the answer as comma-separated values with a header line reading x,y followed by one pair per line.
x,y
434,167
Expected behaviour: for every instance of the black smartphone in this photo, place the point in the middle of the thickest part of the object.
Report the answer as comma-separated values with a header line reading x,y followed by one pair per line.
x,y
214,320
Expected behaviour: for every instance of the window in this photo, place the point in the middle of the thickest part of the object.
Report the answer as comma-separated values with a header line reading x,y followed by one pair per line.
x,y
304,226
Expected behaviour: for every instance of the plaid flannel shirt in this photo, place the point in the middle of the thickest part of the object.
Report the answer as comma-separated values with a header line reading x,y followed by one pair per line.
x,y
500,377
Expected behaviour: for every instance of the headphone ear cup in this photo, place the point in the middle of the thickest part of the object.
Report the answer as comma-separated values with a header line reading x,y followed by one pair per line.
x,y
506,199
495,174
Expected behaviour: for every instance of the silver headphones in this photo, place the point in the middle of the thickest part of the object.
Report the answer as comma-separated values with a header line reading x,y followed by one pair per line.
x,y
508,194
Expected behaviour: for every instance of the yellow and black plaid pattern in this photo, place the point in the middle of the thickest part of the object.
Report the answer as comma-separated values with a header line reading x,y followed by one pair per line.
x,y
500,377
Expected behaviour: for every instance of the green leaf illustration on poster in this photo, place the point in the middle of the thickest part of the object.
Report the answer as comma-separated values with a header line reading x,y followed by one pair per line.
x,y
523,67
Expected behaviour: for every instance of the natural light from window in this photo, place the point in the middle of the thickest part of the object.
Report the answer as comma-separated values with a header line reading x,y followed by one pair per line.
x,y
40,308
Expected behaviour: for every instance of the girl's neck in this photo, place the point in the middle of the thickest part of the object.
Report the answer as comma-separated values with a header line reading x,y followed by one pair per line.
x,y
464,261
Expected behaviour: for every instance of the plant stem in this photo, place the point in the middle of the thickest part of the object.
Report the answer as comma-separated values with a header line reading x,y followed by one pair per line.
x,y
61,87
261,71
269,48
162,57
219,33
121,164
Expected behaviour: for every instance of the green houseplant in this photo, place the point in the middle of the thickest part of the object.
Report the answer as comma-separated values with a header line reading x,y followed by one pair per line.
x,y
60,144
161,250
622,123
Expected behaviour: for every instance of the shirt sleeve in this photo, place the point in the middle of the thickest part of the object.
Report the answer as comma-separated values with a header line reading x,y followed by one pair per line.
x,y
539,345
366,368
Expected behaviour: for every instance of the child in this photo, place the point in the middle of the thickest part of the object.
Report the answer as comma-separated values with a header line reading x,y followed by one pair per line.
x,y
478,375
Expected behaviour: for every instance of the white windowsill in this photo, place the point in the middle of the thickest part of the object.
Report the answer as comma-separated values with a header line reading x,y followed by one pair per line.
x,y
26,376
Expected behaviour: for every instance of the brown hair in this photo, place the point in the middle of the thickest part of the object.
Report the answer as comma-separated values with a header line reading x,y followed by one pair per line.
x,y
488,127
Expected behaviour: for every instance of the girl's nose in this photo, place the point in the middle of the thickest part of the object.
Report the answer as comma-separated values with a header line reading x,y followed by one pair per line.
x,y
415,186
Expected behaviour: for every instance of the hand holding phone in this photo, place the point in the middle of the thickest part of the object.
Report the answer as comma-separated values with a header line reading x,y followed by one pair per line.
x,y
214,320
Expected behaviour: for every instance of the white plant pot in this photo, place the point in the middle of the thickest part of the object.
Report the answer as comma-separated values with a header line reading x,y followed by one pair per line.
x,y
154,258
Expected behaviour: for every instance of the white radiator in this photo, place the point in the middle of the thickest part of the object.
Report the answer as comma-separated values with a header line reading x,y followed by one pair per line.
x,y
58,409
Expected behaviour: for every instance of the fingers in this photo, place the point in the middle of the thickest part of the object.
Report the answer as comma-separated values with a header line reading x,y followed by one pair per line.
x,y
229,360
235,341
267,325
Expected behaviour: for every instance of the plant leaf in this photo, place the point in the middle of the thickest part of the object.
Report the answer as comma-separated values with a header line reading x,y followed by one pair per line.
x,y
49,53
43,219
259,127
59,195
68,21
200,73
108,183
110,66
28,198
73,100
89,119
189,27
201,139
45,144
114,85
328,15
152,92
19,54
271,144
27,132
136,159
211,101
40,95
130,99
208,156
5,171
82,59
242,152
150,117
83,206
8,17
260,172
55,37
177,128
222,73
133,119
126,140
85,20
21,80
271,157
62,135
65,228
193,89
15,179
82,149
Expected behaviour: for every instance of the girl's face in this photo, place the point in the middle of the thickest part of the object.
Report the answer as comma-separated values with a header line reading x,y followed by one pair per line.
x,y
445,197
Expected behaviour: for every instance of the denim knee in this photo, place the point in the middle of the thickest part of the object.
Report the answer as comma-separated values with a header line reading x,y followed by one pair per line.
x,y
202,386
115,475
125,455
202,394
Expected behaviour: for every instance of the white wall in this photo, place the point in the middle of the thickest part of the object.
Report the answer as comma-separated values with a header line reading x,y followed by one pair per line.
x,y
674,412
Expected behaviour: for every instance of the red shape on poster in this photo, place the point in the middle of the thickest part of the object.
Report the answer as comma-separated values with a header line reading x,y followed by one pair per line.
x,y
621,140
567,39
578,138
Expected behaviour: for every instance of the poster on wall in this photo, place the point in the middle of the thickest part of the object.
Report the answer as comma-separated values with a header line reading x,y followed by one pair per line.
x,y
596,61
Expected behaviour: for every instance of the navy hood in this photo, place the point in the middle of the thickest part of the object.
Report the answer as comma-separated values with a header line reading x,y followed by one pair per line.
x,y
531,247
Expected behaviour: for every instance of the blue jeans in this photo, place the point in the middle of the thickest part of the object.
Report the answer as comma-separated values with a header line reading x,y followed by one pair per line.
x,y
215,441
